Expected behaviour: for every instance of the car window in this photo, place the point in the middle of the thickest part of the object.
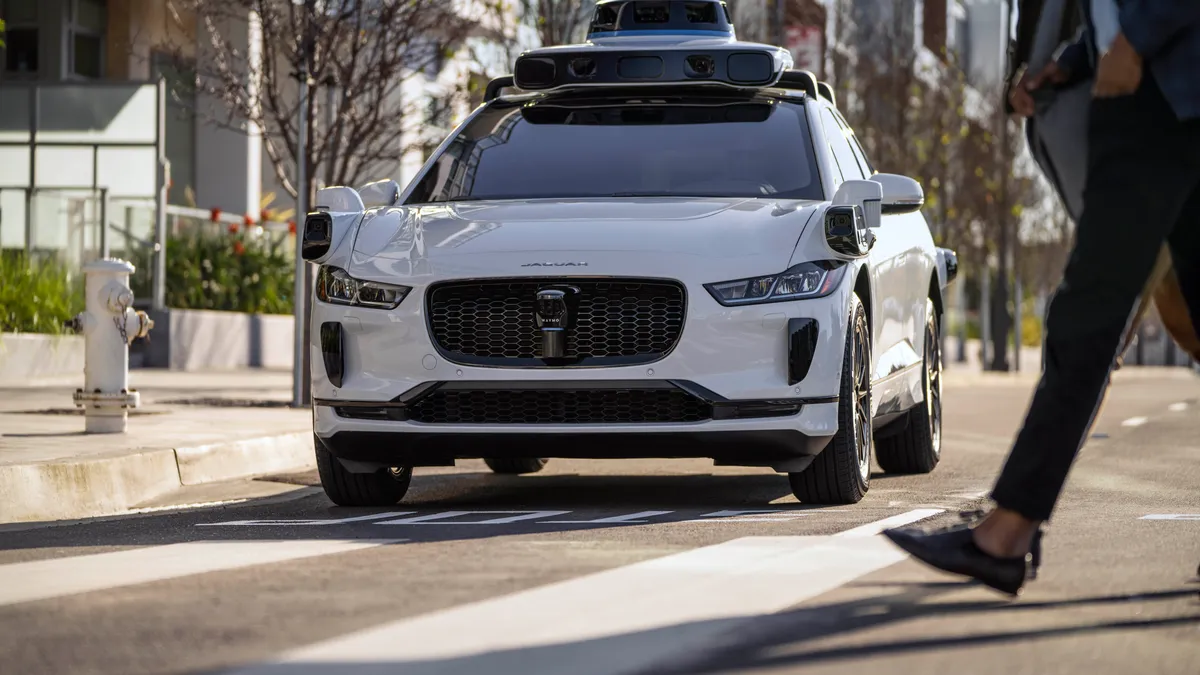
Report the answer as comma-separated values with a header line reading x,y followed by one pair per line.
x,y
842,153
856,148
566,147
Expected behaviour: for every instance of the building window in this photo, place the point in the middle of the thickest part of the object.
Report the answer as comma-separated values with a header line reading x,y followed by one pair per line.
x,y
86,22
21,36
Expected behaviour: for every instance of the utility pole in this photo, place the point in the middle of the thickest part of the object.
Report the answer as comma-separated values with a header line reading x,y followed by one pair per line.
x,y
1000,316
301,383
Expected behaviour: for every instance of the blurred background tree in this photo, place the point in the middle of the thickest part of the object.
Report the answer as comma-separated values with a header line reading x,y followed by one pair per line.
x,y
559,22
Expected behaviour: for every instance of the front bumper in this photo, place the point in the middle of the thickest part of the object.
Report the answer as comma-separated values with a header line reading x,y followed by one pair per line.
x,y
785,450
432,425
735,358
737,352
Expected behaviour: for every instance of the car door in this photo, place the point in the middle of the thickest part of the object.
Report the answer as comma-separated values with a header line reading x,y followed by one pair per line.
x,y
889,312
909,276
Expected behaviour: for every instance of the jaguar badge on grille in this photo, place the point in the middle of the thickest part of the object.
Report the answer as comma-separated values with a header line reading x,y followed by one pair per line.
x,y
555,308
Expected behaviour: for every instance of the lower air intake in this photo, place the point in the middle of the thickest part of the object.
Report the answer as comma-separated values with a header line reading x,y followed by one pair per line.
x,y
583,406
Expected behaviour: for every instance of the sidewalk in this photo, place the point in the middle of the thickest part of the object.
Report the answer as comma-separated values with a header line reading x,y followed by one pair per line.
x,y
192,429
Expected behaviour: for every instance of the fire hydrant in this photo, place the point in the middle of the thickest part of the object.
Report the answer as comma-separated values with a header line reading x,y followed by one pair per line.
x,y
109,325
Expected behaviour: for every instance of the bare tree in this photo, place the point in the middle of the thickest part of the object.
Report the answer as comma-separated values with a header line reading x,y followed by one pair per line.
x,y
359,56
559,22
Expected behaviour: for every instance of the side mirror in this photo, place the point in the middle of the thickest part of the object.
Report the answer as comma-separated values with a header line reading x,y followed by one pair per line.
x,y
318,235
866,194
948,262
901,194
846,231
379,193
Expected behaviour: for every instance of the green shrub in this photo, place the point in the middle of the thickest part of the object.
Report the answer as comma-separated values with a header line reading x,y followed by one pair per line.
x,y
212,268
37,296
1031,330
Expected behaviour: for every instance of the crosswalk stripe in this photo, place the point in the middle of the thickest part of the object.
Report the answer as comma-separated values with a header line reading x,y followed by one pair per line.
x,y
610,622
44,579
878,526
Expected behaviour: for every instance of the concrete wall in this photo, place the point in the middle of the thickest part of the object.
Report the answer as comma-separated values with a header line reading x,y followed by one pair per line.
x,y
25,358
201,340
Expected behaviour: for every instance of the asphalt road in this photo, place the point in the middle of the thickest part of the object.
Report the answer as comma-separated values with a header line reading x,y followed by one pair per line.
x,y
634,567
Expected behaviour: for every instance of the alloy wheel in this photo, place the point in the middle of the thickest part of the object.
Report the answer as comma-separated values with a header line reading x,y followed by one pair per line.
x,y
933,387
862,397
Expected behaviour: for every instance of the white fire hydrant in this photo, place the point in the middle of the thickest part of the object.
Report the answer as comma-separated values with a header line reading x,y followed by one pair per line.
x,y
109,324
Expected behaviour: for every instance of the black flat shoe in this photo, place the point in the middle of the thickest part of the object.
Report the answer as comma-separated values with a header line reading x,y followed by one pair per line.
x,y
971,518
954,551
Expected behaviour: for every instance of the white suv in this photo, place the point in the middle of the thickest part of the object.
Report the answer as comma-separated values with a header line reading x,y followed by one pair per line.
x,y
607,271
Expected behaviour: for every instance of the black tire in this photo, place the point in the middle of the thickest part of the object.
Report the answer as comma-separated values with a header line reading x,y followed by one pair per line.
x,y
385,487
918,447
841,473
515,465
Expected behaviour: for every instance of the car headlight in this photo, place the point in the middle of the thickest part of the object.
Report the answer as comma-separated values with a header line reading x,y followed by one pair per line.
x,y
806,280
335,286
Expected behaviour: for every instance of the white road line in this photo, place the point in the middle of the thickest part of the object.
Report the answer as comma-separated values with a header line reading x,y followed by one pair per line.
x,y
1178,407
750,516
1134,422
871,529
308,522
442,518
1171,516
44,579
627,518
612,622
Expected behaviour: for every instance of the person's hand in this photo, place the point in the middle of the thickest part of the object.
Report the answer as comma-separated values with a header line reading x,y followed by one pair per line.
x,y
1120,70
1020,97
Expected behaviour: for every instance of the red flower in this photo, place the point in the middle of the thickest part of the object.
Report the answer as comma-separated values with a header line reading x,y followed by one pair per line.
x,y
248,220
264,216
233,228
214,215
291,227
239,248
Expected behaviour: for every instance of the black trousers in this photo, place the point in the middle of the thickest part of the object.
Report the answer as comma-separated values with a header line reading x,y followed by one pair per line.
x,y
1142,188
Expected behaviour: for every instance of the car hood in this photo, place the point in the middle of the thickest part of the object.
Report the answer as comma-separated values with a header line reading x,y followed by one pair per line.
x,y
645,236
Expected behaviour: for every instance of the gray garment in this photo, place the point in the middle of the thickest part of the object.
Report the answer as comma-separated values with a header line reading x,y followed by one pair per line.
x,y
1057,132
1107,23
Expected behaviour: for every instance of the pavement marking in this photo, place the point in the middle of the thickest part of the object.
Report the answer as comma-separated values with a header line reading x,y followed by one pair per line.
x,y
529,517
872,529
309,521
1134,422
627,518
442,518
1171,516
749,516
1178,407
610,622
45,579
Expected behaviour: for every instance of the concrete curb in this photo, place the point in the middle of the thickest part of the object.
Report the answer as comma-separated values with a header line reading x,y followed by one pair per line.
x,y
104,485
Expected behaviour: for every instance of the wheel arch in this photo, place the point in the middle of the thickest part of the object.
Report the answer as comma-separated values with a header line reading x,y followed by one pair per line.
x,y
939,303
862,288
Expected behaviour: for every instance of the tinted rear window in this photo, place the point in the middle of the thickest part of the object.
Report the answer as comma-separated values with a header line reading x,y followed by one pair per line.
x,y
568,148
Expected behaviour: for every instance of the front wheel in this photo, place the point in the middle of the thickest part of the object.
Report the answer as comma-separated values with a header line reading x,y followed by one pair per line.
x,y
918,447
841,474
344,488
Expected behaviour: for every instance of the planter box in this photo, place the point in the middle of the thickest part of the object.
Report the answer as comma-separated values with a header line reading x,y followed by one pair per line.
x,y
26,357
195,340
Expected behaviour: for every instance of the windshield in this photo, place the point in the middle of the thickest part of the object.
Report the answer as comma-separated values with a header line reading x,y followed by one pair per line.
x,y
701,146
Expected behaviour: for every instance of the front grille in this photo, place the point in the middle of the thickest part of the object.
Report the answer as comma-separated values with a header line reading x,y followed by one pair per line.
x,y
558,406
618,322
